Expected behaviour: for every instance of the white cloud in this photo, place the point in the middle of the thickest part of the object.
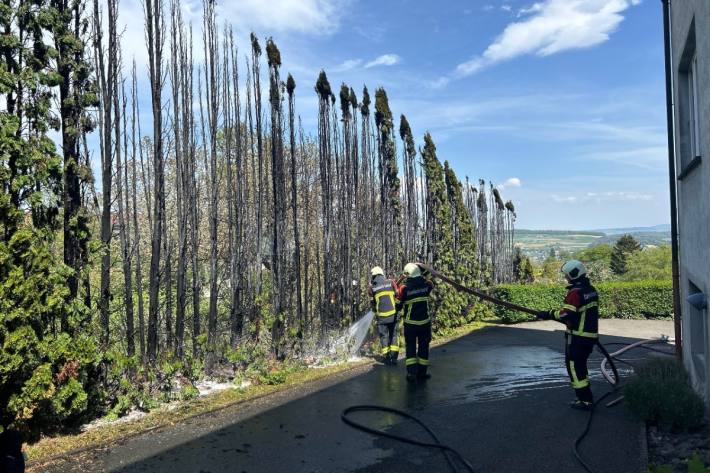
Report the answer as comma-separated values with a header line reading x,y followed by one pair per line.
x,y
384,60
513,182
507,8
348,65
654,158
563,200
602,197
317,17
618,195
510,182
550,27
309,17
534,8
352,64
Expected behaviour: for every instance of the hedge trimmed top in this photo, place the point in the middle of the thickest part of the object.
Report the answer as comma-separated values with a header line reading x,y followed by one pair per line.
x,y
622,300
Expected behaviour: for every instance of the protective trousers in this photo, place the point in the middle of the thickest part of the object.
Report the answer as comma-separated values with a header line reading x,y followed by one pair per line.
x,y
389,340
417,338
577,351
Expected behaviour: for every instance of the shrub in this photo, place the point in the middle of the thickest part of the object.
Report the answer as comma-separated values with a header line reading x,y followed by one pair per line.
x,y
660,393
624,300
189,392
697,465
45,376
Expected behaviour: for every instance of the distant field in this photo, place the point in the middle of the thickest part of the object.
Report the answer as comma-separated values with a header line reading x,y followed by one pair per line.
x,y
537,244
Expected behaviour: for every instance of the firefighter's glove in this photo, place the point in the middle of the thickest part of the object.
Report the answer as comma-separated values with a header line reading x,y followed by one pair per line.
x,y
544,315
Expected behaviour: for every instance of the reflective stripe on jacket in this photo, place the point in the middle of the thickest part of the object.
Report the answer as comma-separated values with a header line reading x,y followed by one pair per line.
x,y
413,296
580,311
383,292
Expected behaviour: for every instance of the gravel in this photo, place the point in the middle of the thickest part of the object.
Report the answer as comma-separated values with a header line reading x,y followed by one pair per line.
x,y
674,449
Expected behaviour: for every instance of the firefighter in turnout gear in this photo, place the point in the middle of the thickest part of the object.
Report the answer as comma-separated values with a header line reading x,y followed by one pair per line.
x,y
413,298
580,313
382,291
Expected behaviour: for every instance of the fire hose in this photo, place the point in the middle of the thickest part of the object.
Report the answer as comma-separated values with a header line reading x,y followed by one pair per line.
x,y
447,450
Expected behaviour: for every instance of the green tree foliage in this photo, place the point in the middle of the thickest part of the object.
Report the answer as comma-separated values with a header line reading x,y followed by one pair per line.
x,y
465,264
77,93
43,371
597,259
550,270
651,263
595,254
624,247
523,270
448,305
391,184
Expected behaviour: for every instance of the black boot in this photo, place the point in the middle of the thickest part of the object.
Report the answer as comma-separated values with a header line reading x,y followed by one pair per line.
x,y
422,373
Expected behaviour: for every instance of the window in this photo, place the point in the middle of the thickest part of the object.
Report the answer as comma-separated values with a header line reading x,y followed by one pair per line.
x,y
688,106
694,125
698,328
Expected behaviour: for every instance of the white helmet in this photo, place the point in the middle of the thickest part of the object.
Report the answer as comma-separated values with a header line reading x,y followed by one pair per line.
x,y
377,271
573,269
412,270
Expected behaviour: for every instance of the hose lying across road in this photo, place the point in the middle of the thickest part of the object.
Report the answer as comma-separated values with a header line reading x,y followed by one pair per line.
x,y
612,379
381,433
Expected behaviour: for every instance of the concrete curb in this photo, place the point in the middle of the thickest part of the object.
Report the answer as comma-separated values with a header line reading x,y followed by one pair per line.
x,y
644,448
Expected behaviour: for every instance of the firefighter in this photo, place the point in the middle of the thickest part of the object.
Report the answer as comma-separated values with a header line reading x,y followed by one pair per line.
x,y
382,291
413,298
580,313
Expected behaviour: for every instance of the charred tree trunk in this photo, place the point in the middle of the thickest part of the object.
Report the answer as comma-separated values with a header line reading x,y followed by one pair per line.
x,y
154,36
136,232
278,178
107,72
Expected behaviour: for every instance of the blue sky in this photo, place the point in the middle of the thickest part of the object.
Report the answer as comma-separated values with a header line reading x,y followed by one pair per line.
x,y
560,102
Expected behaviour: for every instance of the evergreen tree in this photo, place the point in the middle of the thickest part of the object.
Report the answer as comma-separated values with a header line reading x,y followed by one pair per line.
x,y
522,267
411,220
43,370
625,246
77,92
465,267
446,301
392,223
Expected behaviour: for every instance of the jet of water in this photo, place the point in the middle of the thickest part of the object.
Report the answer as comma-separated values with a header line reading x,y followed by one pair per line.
x,y
357,332
343,345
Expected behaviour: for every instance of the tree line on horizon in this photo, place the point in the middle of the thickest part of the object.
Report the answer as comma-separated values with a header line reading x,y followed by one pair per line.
x,y
220,228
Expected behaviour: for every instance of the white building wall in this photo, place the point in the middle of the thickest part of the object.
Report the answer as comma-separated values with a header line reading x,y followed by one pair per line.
x,y
693,187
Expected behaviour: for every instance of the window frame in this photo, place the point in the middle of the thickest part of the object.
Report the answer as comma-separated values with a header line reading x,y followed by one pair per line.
x,y
694,115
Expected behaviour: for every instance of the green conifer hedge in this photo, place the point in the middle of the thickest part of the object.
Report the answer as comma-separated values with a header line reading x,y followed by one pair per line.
x,y
622,300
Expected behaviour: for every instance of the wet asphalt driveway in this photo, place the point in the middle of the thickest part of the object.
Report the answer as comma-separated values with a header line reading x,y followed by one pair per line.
x,y
498,395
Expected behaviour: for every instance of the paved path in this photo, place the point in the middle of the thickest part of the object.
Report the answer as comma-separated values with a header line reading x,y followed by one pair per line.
x,y
497,395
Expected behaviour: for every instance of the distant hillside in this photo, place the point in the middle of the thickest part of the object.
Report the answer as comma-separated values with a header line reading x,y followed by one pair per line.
x,y
654,238
538,243
664,228
597,233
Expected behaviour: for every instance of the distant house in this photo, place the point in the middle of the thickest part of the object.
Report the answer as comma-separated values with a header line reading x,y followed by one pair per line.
x,y
690,68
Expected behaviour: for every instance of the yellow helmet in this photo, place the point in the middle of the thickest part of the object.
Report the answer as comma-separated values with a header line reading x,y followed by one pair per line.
x,y
377,271
412,270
